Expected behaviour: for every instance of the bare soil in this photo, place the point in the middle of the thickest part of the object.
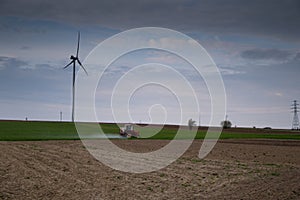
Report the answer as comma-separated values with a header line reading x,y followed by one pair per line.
x,y
235,169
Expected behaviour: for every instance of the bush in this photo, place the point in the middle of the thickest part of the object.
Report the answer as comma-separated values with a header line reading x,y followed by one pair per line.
x,y
226,124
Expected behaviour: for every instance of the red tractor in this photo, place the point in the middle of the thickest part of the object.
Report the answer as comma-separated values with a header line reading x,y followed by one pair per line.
x,y
128,131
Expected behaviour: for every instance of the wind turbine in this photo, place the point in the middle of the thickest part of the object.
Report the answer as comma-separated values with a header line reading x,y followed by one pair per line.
x,y
73,61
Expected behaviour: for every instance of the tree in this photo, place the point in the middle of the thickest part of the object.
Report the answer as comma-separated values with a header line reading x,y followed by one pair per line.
x,y
226,124
191,123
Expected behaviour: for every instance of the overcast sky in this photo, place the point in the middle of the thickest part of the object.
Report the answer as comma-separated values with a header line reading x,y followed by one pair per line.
x,y
255,44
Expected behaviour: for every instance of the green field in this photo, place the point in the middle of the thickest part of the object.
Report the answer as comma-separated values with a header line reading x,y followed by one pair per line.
x,y
40,130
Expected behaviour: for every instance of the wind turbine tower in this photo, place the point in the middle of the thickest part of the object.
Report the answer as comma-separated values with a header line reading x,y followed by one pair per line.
x,y
73,61
295,124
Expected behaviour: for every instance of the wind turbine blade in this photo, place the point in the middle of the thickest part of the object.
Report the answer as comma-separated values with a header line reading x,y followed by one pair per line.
x,y
78,44
82,66
68,64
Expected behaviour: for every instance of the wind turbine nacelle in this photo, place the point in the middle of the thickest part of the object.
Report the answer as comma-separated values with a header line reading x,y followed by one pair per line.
x,y
72,57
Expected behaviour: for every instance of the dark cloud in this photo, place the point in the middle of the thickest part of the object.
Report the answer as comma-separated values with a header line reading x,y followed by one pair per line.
x,y
16,63
6,62
270,18
25,48
297,57
116,70
266,54
45,66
